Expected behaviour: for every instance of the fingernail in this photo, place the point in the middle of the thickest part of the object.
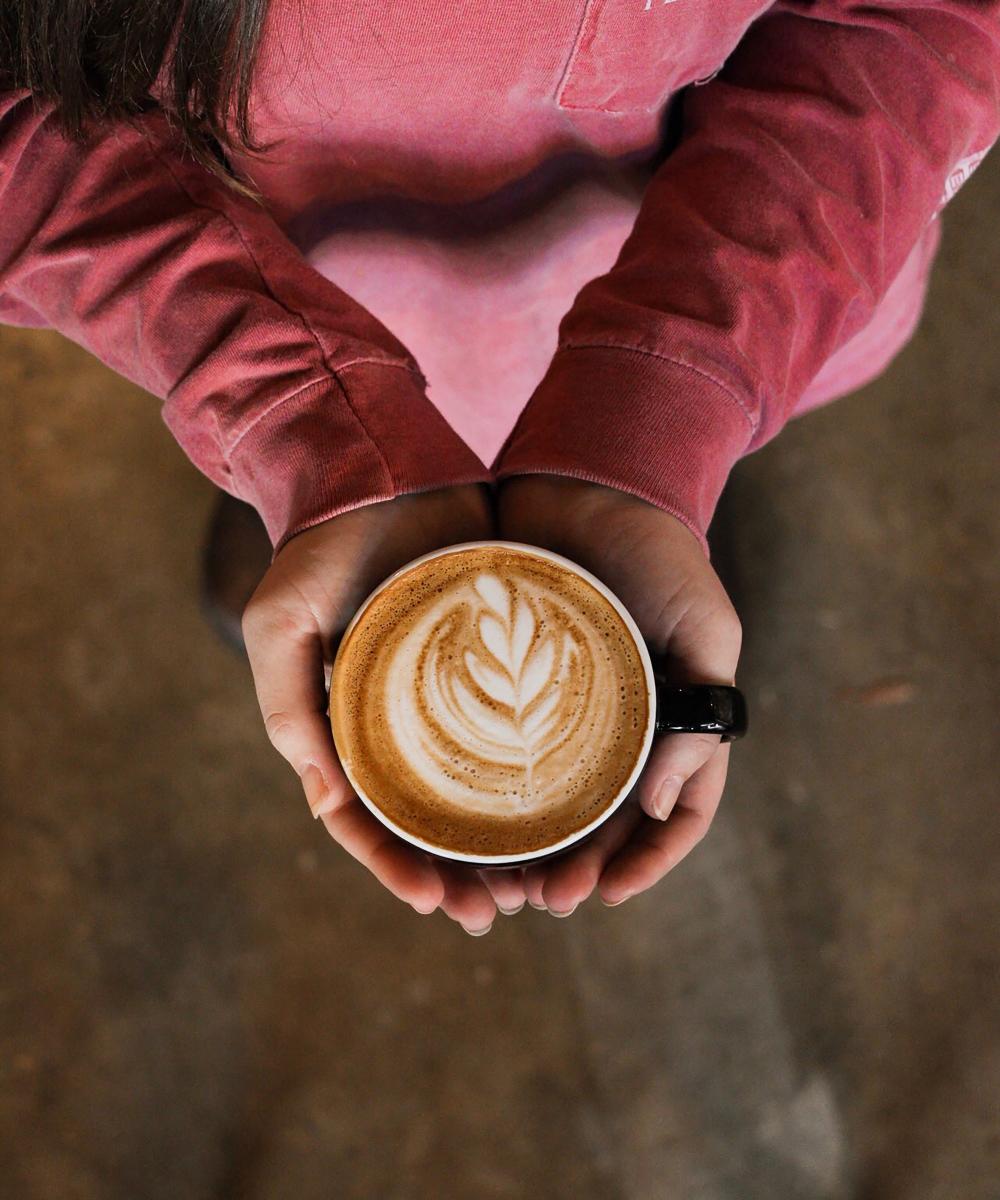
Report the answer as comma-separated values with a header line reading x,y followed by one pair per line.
x,y
665,797
615,903
478,932
568,913
538,907
320,799
511,912
424,912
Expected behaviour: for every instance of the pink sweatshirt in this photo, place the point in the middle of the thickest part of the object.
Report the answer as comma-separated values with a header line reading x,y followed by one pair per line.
x,y
500,235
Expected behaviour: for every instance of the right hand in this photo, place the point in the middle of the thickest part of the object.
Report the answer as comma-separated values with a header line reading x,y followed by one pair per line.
x,y
305,600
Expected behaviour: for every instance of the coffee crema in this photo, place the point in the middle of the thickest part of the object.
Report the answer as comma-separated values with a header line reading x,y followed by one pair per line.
x,y
490,702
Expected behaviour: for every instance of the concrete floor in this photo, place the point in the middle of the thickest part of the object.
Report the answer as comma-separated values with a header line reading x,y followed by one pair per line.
x,y
201,997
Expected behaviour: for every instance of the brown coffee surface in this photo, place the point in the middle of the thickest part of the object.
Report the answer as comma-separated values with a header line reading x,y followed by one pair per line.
x,y
490,702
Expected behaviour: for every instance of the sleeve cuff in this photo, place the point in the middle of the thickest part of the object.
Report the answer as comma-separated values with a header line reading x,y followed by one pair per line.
x,y
645,424
367,434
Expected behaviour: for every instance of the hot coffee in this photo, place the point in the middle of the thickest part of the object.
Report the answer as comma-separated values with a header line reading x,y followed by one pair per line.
x,y
490,701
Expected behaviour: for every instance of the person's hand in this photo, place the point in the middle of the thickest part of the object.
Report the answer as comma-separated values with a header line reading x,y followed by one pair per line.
x,y
656,566
309,594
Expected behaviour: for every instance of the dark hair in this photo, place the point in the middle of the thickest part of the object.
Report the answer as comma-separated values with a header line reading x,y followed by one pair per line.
x,y
97,60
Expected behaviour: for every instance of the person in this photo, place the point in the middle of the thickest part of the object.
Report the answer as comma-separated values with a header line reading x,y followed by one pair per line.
x,y
405,276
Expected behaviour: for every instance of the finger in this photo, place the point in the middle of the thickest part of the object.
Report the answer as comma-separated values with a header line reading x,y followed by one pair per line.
x,y
506,887
534,883
703,647
403,869
565,883
466,898
673,761
656,847
286,659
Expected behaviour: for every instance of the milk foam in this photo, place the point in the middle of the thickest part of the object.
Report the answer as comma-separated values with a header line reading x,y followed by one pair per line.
x,y
484,670
498,694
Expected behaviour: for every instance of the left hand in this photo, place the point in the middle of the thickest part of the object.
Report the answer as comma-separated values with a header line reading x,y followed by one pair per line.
x,y
305,600
658,569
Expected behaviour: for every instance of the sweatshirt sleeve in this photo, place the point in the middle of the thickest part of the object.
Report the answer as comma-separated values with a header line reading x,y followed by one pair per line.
x,y
277,385
807,171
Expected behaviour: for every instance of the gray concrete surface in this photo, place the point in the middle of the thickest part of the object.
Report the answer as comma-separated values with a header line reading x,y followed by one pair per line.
x,y
201,997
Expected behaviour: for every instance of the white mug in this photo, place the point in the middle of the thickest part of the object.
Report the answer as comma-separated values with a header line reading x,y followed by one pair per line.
x,y
696,708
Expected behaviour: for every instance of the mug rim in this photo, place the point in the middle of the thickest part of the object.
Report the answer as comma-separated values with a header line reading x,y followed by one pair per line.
x,y
515,860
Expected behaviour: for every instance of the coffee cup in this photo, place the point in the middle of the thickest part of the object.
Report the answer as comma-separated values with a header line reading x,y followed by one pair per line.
x,y
494,703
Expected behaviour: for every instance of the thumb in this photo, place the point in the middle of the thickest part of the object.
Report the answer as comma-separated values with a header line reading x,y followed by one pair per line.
x,y
286,658
704,647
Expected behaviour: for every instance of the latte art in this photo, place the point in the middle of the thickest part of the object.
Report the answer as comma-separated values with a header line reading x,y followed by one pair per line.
x,y
491,703
486,687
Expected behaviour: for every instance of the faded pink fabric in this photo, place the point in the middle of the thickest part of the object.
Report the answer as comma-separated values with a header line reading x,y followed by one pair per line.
x,y
622,241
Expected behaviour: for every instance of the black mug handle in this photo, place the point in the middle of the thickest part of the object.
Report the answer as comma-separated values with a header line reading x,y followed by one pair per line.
x,y
700,708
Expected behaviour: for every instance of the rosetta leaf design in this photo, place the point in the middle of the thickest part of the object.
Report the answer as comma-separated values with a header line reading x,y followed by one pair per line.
x,y
494,635
517,669
494,595
536,673
536,721
493,683
524,627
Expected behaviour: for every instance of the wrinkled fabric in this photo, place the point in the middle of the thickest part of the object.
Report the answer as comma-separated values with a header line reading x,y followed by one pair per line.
x,y
621,242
